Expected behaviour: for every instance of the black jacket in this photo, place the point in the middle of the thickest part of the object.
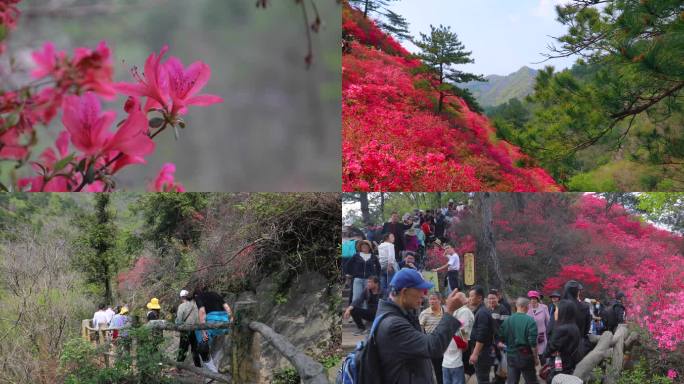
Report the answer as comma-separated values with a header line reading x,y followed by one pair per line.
x,y
358,267
500,314
371,299
565,338
620,311
584,318
405,350
483,327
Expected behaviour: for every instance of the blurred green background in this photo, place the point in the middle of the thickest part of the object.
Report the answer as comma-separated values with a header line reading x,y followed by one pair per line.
x,y
279,128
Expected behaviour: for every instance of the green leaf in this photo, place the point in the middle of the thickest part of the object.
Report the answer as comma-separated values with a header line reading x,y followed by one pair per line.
x,y
90,173
81,165
63,163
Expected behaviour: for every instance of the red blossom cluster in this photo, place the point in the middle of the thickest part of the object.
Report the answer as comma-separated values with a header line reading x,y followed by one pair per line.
x,y
586,274
640,259
93,146
392,140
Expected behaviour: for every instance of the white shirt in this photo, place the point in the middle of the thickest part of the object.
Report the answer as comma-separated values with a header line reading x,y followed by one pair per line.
x,y
386,254
454,262
453,357
100,317
365,256
110,315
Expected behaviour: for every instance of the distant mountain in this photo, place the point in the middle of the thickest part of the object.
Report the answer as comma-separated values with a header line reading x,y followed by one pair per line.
x,y
499,89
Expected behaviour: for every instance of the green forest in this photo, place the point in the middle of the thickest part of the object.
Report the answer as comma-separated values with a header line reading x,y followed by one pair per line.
x,y
62,255
612,122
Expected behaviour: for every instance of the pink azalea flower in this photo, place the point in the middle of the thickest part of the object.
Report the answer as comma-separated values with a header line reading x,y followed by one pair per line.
x,y
37,184
131,138
152,83
87,125
97,186
89,128
165,180
46,60
11,147
672,374
170,80
184,84
96,70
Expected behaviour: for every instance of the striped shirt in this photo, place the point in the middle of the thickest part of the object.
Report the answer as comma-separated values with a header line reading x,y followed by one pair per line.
x,y
429,320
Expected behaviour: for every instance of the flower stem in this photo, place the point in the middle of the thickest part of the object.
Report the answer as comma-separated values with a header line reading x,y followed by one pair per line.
x,y
114,159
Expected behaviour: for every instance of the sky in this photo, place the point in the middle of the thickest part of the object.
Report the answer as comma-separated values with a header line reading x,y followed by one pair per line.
x,y
503,35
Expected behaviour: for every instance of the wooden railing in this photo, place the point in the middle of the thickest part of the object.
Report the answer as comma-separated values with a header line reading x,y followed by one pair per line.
x,y
608,345
310,371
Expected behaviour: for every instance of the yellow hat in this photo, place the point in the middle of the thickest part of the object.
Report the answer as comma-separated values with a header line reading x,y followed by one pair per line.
x,y
153,304
123,311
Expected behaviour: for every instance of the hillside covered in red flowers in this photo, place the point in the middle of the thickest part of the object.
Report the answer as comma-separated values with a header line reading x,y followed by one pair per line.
x,y
393,141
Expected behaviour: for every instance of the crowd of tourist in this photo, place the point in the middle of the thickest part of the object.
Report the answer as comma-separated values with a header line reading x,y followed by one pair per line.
x,y
452,332
200,306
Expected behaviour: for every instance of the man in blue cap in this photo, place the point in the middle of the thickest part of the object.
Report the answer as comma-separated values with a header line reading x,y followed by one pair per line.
x,y
405,351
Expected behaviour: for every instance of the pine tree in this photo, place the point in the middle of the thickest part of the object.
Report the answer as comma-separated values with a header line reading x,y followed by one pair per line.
x,y
370,6
95,247
441,50
396,25
625,90
388,20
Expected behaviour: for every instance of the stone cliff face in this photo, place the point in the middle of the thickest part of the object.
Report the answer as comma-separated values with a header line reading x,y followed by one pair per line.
x,y
305,314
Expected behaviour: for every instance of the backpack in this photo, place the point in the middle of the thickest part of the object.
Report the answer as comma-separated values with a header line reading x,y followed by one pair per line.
x,y
348,248
361,365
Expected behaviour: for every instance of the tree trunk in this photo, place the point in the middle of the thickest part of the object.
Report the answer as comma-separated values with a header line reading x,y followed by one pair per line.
x,y
365,211
382,206
365,9
439,199
487,244
441,102
108,285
